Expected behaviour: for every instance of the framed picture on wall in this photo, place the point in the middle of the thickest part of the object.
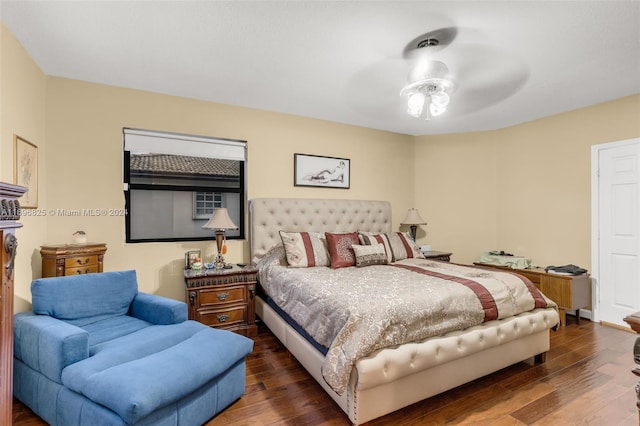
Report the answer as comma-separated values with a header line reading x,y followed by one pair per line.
x,y
323,172
25,170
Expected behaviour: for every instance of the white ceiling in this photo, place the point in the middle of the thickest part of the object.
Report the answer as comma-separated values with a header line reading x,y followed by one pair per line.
x,y
512,61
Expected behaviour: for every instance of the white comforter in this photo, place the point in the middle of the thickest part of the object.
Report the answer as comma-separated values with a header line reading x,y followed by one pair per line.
x,y
355,311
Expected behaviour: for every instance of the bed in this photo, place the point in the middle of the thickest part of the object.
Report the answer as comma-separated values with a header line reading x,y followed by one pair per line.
x,y
367,378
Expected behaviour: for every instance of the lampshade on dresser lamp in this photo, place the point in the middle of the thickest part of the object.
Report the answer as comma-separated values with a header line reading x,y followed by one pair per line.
x,y
413,219
220,221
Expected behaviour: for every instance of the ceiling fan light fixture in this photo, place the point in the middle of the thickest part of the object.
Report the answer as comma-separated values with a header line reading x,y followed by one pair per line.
x,y
415,104
440,99
436,110
430,91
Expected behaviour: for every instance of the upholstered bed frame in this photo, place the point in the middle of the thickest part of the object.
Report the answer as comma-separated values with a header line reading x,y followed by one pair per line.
x,y
392,378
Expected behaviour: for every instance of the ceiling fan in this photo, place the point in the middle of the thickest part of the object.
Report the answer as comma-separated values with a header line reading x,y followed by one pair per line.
x,y
480,74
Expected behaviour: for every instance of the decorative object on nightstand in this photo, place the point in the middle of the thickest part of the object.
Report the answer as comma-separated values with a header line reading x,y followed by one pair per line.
x,y
72,259
437,255
413,219
223,298
79,237
220,221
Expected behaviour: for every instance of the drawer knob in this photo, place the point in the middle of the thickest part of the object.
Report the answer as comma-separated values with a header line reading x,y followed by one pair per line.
x,y
82,261
223,317
223,296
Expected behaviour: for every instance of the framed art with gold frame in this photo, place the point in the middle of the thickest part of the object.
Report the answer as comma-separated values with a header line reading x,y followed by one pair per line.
x,y
25,170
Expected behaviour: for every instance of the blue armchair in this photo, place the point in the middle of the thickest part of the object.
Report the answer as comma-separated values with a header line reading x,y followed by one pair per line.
x,y
96,351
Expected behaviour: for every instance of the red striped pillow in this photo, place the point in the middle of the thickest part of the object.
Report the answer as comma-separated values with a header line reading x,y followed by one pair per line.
x,y
397,245
305,249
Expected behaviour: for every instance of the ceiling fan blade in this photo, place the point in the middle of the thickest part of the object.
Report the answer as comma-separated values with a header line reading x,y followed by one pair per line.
x,y
483,75
376,88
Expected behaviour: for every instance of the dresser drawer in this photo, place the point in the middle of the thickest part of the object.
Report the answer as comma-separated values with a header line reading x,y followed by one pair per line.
x,y
74,262
217,296
222,317
59,260
534,278
89,269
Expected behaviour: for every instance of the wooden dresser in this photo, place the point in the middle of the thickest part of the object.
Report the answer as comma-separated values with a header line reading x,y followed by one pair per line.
x,y
223,298
570,292
72,259
9,216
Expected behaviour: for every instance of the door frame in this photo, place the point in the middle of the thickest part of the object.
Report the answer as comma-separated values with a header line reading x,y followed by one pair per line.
x,y
595,220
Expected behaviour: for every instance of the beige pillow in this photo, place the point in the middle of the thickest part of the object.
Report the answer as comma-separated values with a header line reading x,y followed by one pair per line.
x,y
305,249
367,255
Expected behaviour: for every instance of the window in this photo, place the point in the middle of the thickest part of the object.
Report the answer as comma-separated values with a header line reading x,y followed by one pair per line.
x,y
204,203
173,182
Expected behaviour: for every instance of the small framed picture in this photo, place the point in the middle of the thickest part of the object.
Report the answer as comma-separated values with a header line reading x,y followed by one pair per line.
x,y
190,258
25,170
323,172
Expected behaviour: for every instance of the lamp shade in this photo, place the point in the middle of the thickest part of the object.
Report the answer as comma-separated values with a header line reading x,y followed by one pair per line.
x,y
220,220
413,218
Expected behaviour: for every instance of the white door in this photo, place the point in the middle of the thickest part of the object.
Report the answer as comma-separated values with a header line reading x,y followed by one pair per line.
x,y
619,224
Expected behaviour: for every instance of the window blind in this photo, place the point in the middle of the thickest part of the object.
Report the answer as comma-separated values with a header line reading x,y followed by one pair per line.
x,y
139,141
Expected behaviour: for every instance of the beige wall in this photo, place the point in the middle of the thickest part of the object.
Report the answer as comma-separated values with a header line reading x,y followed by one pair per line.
x,y
22,106
81,125
456,194
523,189
84,135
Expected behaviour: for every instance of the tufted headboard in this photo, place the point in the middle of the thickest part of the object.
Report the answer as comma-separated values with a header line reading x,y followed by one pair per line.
x,y
268,216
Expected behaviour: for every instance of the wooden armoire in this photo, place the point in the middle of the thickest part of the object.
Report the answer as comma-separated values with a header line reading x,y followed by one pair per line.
x,y
9,216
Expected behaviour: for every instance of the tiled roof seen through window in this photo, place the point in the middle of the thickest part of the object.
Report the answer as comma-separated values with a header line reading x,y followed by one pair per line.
x,y
166,163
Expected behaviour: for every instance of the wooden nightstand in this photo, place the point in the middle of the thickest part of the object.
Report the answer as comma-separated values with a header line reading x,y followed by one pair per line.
x,y
223,298
437,255
72,259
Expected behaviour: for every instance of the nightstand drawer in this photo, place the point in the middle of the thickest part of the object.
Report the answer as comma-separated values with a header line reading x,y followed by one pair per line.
x,y
222,295
74,262
90,269
222,317
223,298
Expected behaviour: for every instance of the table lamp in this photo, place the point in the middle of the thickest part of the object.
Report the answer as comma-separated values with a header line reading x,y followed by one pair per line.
x,y
220,221
413,219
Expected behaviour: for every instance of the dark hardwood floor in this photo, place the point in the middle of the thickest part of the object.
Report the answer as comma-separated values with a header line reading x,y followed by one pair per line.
x,y
586,380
